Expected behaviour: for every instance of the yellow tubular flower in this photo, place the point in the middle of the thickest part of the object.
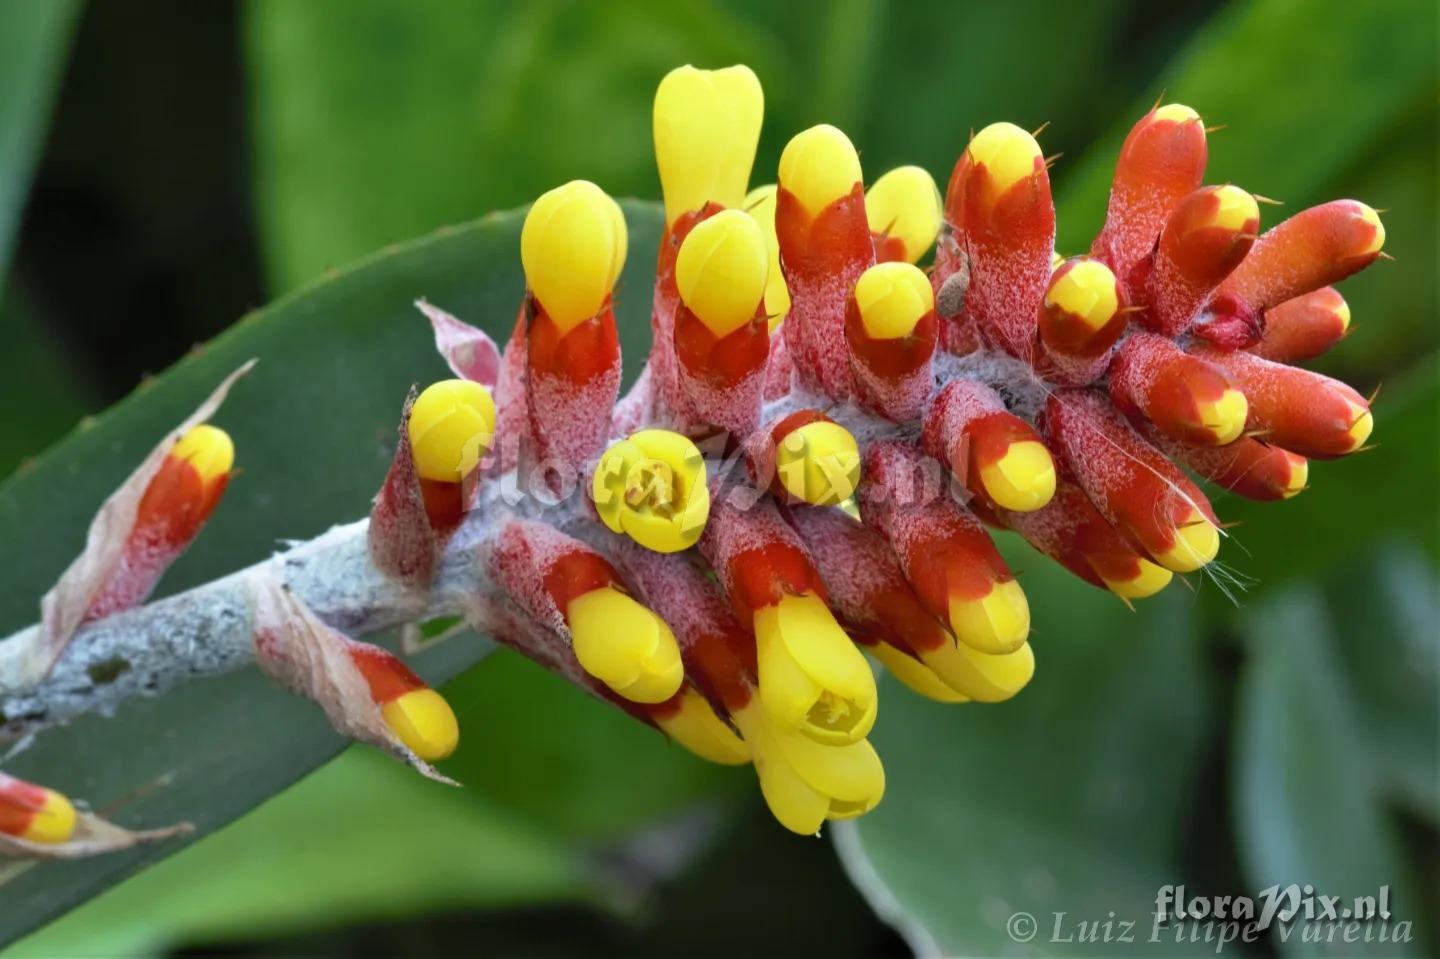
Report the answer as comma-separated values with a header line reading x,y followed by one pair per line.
x,y
1023,479
917,676
997,622
812,678
452,424
573,247
819,463
698,729
760,204
423,721
905,204
1007,152
208,449
721,271
983,677
652,488
706,126
625,646
892,298
819,166
806,783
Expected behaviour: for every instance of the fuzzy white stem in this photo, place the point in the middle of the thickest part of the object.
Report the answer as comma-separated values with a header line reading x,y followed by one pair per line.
x,y
207,631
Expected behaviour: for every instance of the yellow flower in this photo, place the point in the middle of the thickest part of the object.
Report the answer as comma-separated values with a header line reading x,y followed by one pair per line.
x,y
813,681
651,487
707,125
573,247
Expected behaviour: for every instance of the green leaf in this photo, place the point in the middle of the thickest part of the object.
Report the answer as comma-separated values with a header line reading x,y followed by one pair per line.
x,y
313,426
1069,799
1305,93
1306,803
354,842
34,38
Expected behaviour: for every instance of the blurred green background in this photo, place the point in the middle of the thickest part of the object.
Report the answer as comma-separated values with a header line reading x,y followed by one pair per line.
x,y
167,166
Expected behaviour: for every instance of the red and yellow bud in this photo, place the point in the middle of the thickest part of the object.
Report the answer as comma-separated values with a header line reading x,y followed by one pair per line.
x,y
817,461
760,204
1081,318
1305,327
1247,467
806,783
1295,409
1139,491
1162,160
706,128
35,814
1070,531
825,245
944,552
1206,238
998,202
573,247
1183,395
652,488
903,208
417,715
179,499
998,456
1314,248
890,325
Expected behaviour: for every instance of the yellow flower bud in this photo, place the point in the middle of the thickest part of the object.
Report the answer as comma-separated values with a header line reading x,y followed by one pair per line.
x,y
983,677
707,125
1149,581
1236,209
208,449
819,166
1007,152
53,823
760,203
806,783
905,204
721,271
625,646
652,488
1196,543
812,678
1087,291
919,677
1023,479
892,298
573,248
424,722
451,426
698,729
997,622
819,463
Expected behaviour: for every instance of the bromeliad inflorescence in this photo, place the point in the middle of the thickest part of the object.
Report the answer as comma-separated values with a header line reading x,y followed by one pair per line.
x,y
807,463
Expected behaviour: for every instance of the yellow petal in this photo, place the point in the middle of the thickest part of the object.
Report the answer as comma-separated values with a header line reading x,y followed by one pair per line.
x,y
819,463
698,729
915,674
624,645
905,203
423,721
812,678
997,622
1023,479
721,271
451,426
706,127
1087,290
760,204
1196,543
983,677
892,298
819,166
53,823
1149,581
1007,152
573,247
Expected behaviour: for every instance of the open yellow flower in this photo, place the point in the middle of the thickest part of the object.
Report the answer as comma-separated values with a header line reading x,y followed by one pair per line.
x,y
813,681
651,487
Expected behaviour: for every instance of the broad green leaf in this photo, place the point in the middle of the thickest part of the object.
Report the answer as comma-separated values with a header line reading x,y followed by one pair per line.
x,y
35,379
1307,806
34,38
313,426
1069,799
1305,92
353,842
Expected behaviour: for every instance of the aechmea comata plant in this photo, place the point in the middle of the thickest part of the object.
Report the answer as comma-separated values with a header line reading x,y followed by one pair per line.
x,y
831,420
